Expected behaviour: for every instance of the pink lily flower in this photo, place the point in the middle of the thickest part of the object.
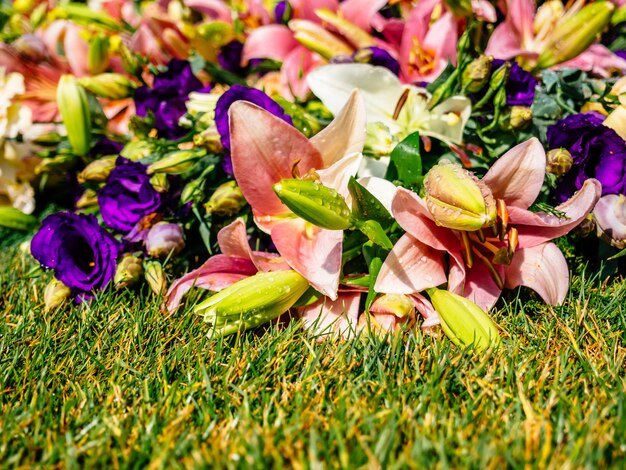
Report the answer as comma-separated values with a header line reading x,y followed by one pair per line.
x,y
515,181
266,150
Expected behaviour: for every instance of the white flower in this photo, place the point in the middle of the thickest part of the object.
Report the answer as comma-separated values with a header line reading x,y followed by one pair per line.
x,y
14,117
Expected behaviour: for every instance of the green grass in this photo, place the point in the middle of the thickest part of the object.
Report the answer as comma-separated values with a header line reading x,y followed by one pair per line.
x,y
116,384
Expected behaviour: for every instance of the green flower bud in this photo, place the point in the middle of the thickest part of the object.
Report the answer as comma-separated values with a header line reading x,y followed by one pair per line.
x,y
559,161
457,199
397,304
113,86
226,201
317,39
129,271
476,74
154,275
98,54
137,150
55,295
177,162
98,170
252,301
500,76
518,118
160,182
38,15
379,141
575,34
89,198
74,108
464,322
131,63
315,203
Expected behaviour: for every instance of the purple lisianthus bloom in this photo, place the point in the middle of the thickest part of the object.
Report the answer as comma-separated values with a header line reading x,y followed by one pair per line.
x,y
239,92
229,57
164,239
520,86
127,196
377,56
82,254
283,12
597,152
106,146
166,99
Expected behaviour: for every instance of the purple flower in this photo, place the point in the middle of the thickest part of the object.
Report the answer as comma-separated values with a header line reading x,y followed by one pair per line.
x,y
127,196
283,12
166,99
82,254
163,239
520,86
377,56
105,146
597,152
239,92
229,57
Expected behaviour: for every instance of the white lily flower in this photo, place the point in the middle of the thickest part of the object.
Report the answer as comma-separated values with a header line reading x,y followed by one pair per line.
x,y
383,93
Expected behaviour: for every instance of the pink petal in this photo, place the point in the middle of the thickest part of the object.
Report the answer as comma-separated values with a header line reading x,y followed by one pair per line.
x,y
361,12
305,9
264,150
517,176
268,42
345,134
505,42
76,51
542,268
327,317
215,10
535,228
479,285
410,267
442,38
423,306
521,14
484,10
215,274
296,66
598,60
313,252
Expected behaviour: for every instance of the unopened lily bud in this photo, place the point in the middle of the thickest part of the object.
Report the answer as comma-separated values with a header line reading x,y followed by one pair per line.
x,y
252,301
113,86
547,17
98,170
457,199
610,216
575,34
518,118
317,39
558,161
160,182
38,15
24,6
129,271
130,61
388,314
165,239
154,275
55,294
464,322
379,141
226,201
98,55
476,74
74,108
355,35
177,162
89,198
315,203
30,47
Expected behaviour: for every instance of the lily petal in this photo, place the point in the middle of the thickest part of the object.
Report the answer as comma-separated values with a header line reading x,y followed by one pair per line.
x,y
313,252
542,268
326,317
479,285
423,306
361,12
338,175
381,189
264,149
517,176
449,119
535,228
410,267
268,42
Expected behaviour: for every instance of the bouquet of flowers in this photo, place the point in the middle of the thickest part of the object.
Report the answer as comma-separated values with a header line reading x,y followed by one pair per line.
x,y
366,166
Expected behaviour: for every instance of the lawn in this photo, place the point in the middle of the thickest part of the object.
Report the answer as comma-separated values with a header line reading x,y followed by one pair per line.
x,y
115,383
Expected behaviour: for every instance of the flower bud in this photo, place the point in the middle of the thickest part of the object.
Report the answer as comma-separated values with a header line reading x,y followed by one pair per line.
x,y
113,86
457,199
74,108
98,54
252,301
518,118
129,271
154,275
387,314
177,162
500,76
315,203
30,47
558,161
98,170
317,39
226,201
379,142
136,150
89,198
24,6
355,35
55,294
610,216
476,74
586,227
160,182
575,34
464,322
164,240
131,63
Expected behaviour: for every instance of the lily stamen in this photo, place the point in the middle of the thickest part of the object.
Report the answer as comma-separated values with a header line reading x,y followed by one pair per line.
x,y
492,270
503,218
467,249
513,240
401,102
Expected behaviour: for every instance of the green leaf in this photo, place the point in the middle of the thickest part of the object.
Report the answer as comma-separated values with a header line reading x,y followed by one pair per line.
x,y
373,230
618,255
374,268
16,220
365,206
406,162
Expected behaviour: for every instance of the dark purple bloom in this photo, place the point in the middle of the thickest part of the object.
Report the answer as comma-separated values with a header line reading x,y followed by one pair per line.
x,y
229,57
166,99
283,12
82,254
520,86
239,92
106,146
621,54
377,56
597,152
127,197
